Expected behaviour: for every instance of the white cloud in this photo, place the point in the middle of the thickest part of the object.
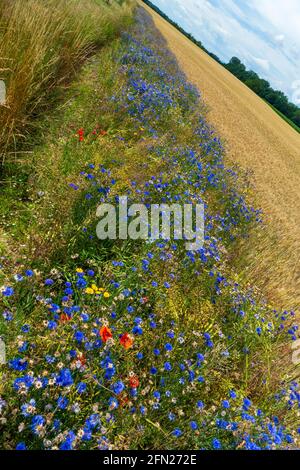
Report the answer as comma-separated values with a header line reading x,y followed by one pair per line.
x,y
279,38
262,63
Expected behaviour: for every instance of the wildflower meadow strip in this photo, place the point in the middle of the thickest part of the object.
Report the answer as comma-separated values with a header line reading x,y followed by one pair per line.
x,y
154,346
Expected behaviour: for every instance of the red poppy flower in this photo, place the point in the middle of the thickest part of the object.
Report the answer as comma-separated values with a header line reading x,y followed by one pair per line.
x,y
105,333
134,381
126,341
64,318
81,134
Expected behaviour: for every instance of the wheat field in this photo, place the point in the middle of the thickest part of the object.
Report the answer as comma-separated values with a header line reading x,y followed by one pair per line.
x,y
258,140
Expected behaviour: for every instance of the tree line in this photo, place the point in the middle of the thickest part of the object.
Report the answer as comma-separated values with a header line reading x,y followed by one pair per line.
x,y
260,86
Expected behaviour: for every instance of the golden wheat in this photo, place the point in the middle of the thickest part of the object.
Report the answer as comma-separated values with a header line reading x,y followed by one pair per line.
x,y
259,140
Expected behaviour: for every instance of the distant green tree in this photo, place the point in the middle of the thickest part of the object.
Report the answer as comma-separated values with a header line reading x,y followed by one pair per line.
x,y
262,88
296,118
259,86
236,67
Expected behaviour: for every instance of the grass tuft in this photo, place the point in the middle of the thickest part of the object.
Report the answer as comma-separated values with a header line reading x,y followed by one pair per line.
x,y
41,47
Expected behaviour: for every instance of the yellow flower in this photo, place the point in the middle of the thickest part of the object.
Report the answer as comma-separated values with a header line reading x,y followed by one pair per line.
x,y
106,295
94,287
79,270
88,290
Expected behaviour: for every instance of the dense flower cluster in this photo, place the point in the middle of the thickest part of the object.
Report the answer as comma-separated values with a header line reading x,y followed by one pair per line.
x,y
157,346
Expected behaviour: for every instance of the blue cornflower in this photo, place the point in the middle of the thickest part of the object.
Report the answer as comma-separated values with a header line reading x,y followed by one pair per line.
x,y
200,358
21,446
26,406
62,403
246,404
50,359
64,378
171,334
8,316
113,403
81,387
52,325
191,375
8,291
216,444
68,443
24,346
79,336
36,422
68,291
18,364
137,330
118,387
177,432
193,425
29,273
225,404
81,283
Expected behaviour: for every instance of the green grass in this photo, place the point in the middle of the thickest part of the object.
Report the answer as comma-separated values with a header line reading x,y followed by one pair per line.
x,y
284,117
39,93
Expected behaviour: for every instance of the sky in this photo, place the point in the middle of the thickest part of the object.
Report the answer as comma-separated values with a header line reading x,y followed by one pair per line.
x,y
264,34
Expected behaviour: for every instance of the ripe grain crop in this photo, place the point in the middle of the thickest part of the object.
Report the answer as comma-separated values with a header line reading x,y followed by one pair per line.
x,y
258,140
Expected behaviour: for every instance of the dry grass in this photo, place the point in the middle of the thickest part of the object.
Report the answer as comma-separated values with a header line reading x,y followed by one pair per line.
x,y
259,140
41,45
